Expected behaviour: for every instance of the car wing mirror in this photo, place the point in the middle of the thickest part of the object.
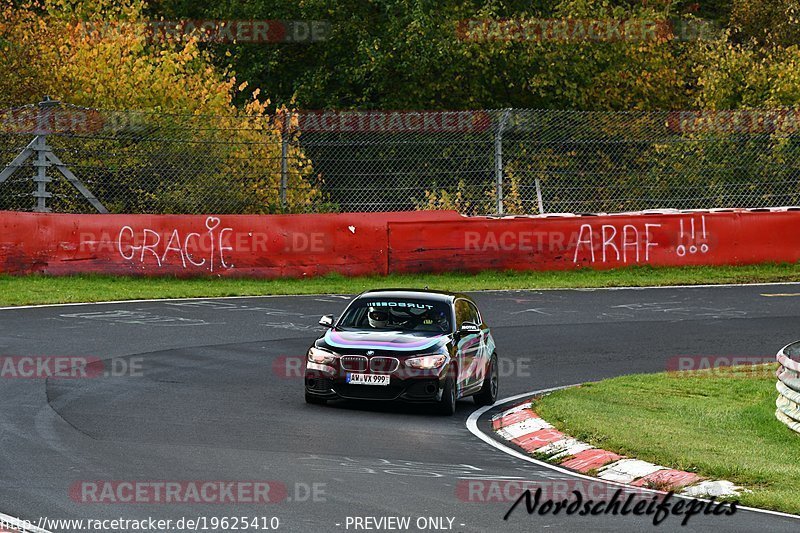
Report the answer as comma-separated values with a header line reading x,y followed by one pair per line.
x,y
469,328
327,321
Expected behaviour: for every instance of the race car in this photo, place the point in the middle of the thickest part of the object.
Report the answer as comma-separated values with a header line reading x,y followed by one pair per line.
x,y
406,345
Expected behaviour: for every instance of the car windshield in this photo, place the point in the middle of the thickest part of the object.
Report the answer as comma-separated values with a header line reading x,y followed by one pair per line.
x,y
397,314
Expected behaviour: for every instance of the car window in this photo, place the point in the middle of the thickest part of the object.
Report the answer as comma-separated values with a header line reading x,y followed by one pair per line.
x,y
473,313
463,312
397,314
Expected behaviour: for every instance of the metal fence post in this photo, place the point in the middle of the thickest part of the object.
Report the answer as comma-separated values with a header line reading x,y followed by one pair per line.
x,y
539,201
41,178
498,161
285,157
40,147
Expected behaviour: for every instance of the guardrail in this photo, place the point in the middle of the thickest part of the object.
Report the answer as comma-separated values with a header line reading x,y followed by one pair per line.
x,y
788,402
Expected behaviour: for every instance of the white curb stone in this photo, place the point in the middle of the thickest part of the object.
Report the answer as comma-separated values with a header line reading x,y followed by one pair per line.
x,y
513,410
524,427
627,470
716,489
564,447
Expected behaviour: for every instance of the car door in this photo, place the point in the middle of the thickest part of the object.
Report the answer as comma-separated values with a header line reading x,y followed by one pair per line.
x,y
468,346
484,350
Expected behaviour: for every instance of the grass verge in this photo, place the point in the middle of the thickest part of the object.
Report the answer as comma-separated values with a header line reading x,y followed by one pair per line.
x,y
720,424
38,289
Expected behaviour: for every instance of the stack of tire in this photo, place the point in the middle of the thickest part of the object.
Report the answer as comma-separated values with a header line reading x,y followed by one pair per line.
x,y
788,386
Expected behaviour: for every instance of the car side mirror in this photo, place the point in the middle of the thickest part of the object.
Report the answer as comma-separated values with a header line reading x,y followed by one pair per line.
x,y
327,321
469,328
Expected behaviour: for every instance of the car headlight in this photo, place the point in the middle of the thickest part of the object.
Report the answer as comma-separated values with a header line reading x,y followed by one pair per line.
x,y
426,362
316,355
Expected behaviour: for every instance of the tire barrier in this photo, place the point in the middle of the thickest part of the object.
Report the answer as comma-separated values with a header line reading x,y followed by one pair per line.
x,y
788,402
272,246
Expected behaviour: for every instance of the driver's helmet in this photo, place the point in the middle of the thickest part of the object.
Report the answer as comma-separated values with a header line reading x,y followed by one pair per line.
x,y
439,318
378,318
436,318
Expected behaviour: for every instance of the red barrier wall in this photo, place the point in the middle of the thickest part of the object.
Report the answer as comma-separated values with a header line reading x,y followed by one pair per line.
x,y
378,243
609,241
189,245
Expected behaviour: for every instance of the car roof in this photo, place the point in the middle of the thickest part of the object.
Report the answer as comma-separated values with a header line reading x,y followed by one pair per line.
x,y
421,294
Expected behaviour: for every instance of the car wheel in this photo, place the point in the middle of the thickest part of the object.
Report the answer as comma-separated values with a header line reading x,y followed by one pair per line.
x,y
316,400
447,405
488,393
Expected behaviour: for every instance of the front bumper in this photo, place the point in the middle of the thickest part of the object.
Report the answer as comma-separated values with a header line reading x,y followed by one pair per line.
x,y
421,386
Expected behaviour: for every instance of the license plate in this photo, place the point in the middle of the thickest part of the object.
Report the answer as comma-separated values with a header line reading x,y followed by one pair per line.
x,y
367,379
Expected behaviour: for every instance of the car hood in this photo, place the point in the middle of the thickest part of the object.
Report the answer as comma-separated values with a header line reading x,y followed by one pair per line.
x,y
383,340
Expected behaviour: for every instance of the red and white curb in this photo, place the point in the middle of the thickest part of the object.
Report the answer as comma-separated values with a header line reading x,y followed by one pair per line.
x,y
521,425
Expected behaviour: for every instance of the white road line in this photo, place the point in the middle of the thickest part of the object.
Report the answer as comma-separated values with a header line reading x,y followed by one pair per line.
x,y
36,306
585,289
472,426
646,287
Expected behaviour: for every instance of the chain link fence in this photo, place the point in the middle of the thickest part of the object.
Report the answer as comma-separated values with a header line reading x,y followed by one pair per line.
x,y
477,162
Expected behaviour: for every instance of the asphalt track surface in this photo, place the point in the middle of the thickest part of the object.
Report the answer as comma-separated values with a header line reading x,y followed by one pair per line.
x,y
212,400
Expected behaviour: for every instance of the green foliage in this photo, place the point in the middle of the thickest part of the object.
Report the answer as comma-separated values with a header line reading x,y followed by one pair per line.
x,y
768,22
403,54
409,54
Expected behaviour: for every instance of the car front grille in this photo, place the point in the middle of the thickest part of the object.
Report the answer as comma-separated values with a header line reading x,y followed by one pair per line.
x,y
383,365
378,364
354,363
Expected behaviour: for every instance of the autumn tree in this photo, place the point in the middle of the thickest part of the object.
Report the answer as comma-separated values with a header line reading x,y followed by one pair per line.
x,y
186,146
